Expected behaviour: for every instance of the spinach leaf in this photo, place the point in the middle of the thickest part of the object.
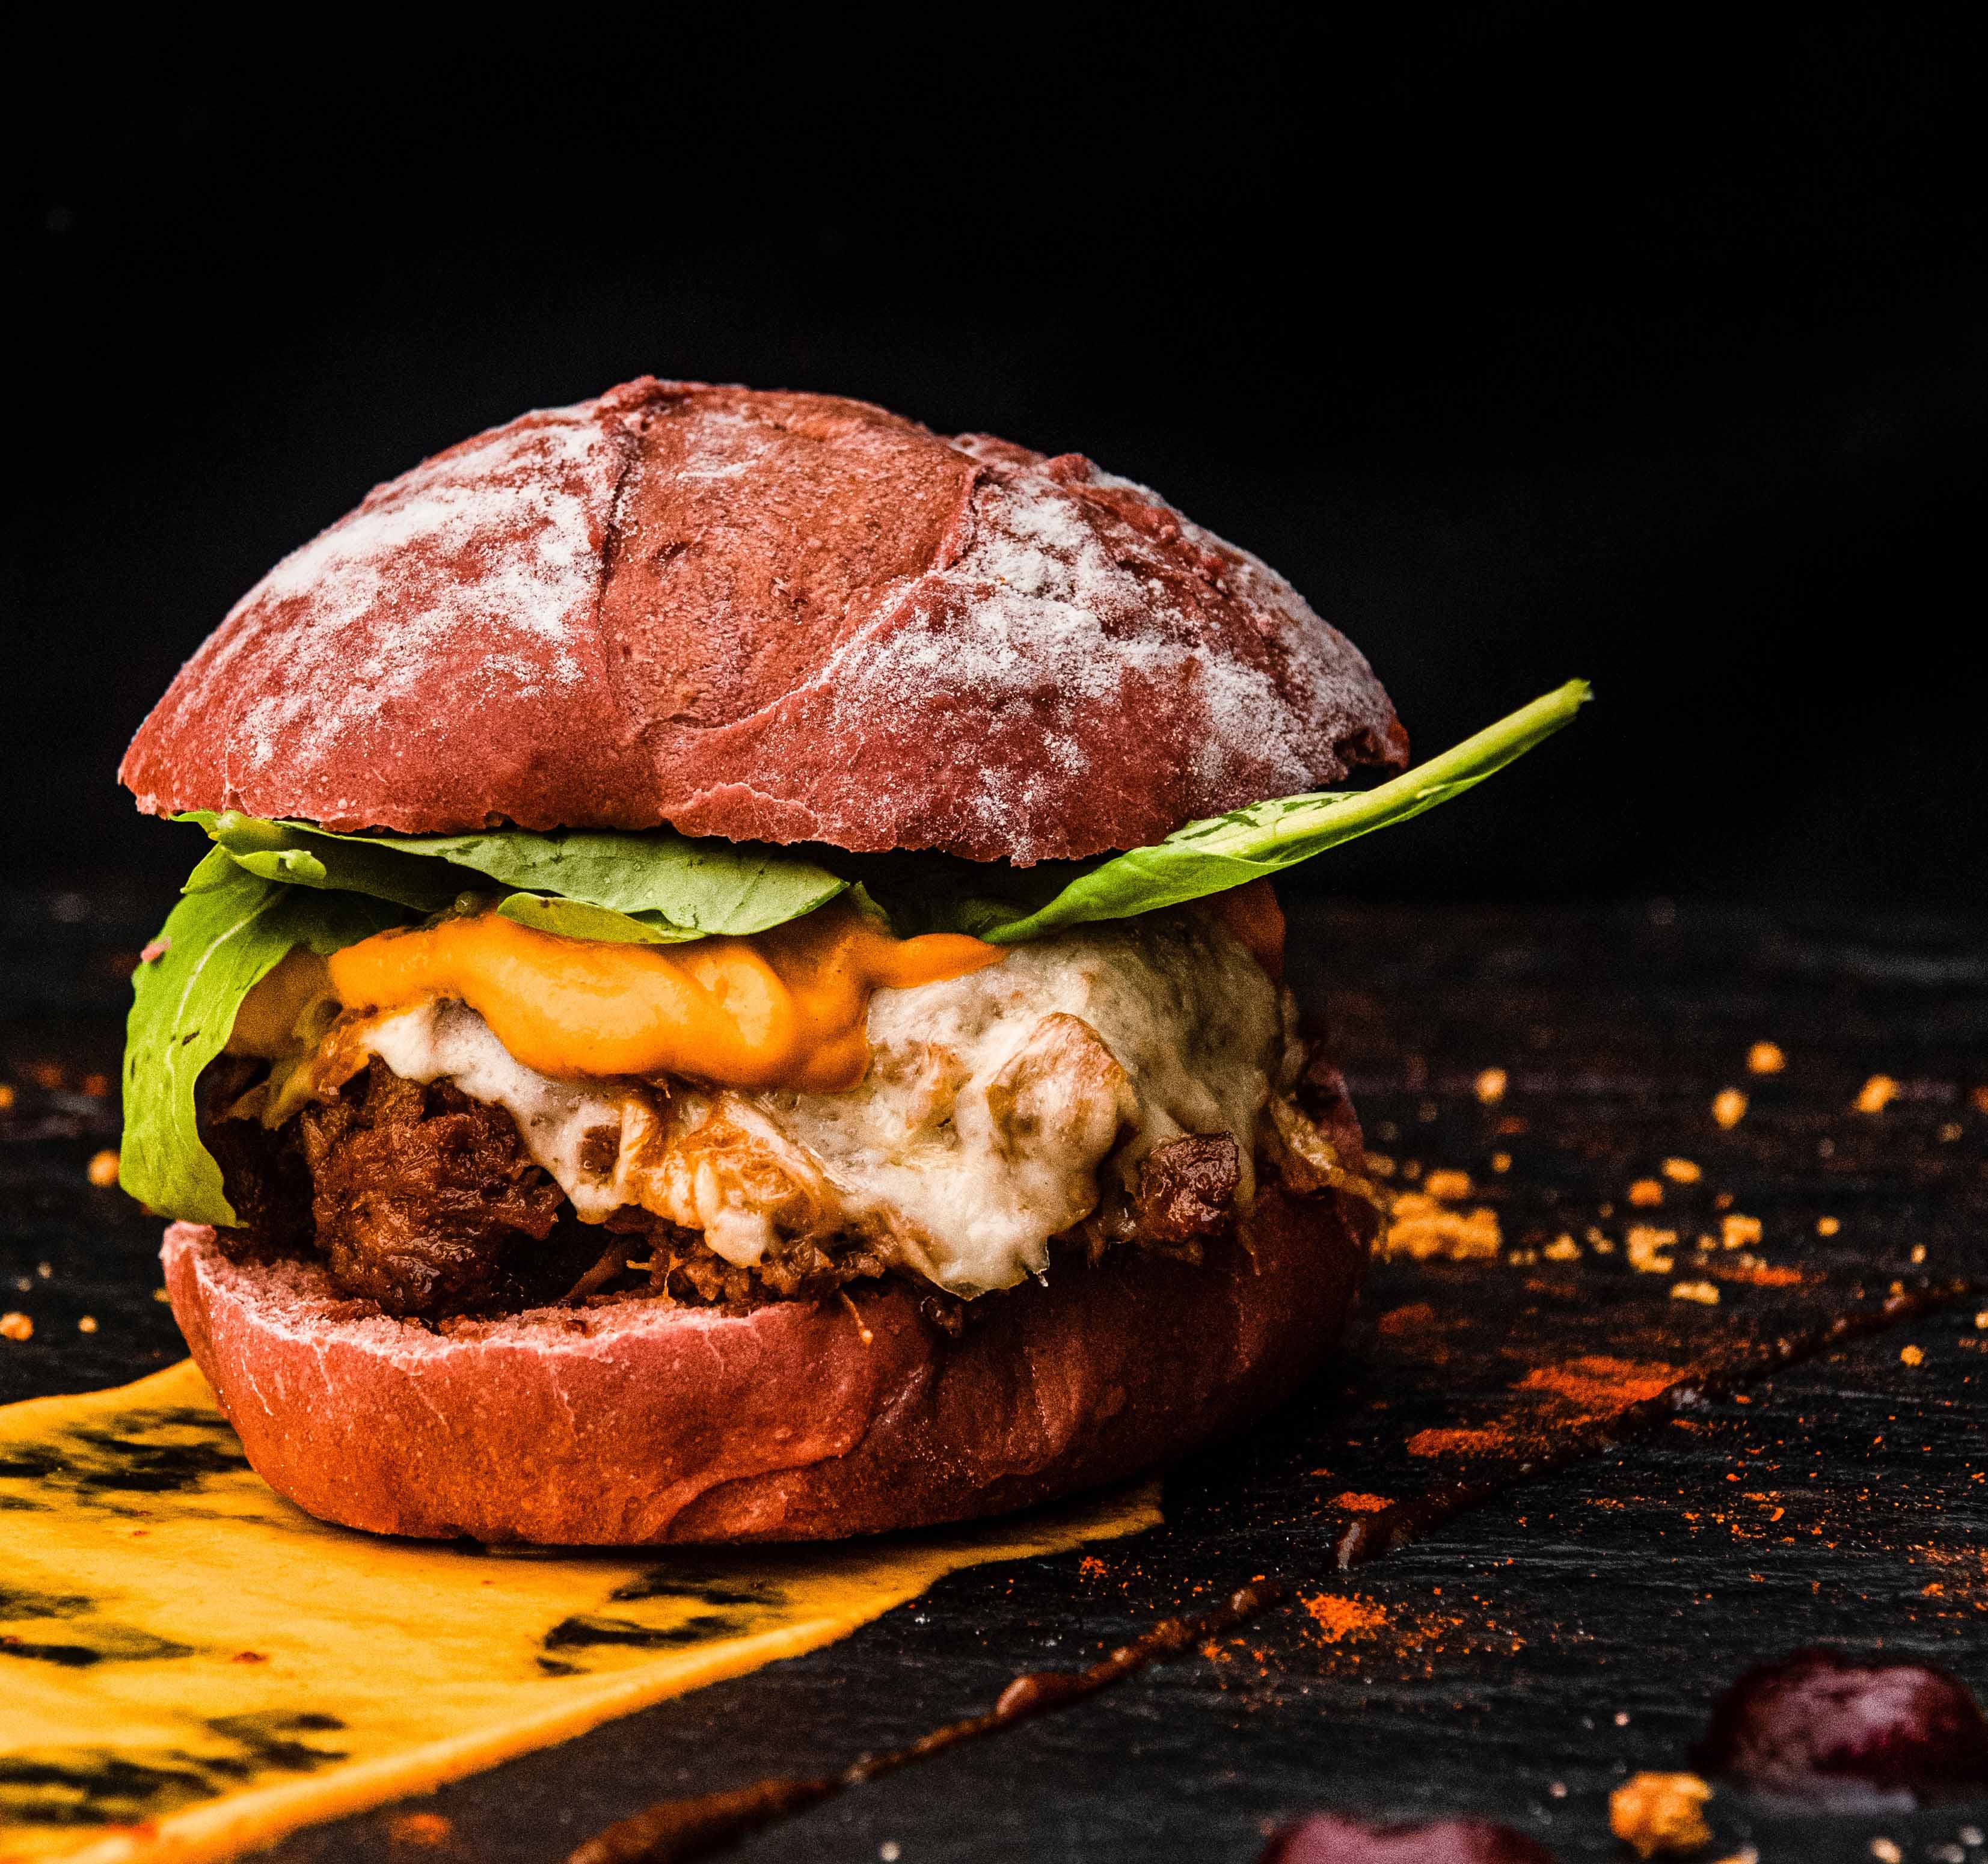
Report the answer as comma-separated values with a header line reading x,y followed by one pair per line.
x,y
676,888
301,856
571,919
1224,851
656,887
220,940
692,887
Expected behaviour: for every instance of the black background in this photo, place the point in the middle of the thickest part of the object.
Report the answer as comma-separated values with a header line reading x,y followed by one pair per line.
x,y
1528,340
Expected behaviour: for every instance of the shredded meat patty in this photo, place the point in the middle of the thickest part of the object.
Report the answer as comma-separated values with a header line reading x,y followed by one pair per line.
x,y
427,1202
418,1192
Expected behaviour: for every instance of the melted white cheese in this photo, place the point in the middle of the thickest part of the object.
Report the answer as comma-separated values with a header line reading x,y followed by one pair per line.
x,y
448,1039
992,1103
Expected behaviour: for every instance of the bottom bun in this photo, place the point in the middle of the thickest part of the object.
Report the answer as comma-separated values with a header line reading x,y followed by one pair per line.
x,y
641,1422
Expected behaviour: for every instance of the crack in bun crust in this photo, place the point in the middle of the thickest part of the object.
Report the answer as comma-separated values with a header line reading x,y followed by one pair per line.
x,y
641,1423
765,617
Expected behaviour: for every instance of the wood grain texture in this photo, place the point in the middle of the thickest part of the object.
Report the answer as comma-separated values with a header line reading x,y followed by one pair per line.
x,y
1484,1666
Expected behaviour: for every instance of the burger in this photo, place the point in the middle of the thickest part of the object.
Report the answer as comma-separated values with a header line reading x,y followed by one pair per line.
x,y
736,992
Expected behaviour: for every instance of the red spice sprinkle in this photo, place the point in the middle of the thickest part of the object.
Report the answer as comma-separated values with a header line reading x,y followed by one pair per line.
x,y
1758,1275
1457,1441
1600,1384
1338,1617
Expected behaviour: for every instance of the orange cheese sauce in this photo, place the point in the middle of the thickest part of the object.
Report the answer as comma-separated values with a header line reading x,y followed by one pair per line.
x,y
782,1009
1251,912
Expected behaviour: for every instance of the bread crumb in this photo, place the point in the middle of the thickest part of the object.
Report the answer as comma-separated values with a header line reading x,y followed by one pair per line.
x,y
1912,1355
103,1167
1562,1249
1704,1293
1661,1812
1490,1085
1827,1226
1877,1093
1647,1248
161,1296
87,1323
1981,1320
424,1828
1644,1192
1501,1161
1980,1097
16,1326
1766,1058
1356,1504
6,1096
1448,1187
1729,1108
1737,1231
1886,1851
1682,1171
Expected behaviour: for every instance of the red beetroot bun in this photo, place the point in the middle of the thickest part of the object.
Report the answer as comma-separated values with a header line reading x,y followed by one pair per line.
x,y
641,1422
781,618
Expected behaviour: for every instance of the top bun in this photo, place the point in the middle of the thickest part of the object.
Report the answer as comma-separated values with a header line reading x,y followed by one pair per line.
x,y
776,618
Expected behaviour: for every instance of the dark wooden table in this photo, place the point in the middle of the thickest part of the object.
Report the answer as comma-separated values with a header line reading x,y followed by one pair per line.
x,y
1518,1658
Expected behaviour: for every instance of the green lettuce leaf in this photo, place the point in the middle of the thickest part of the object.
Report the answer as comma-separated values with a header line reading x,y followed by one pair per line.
x,y
225,935
1246,844
675,887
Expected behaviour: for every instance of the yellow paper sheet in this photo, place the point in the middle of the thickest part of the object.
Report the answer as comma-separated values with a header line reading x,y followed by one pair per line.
x,y
190,1667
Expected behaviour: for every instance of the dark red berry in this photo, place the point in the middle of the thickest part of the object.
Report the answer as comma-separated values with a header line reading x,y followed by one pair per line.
x,y
1844,1731
1327,1838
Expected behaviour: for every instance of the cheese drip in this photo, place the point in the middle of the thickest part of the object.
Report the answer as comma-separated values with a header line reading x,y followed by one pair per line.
x,y
783,1009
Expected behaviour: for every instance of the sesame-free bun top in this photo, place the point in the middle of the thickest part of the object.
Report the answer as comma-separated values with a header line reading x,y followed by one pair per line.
x,y
768,617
